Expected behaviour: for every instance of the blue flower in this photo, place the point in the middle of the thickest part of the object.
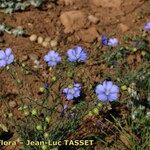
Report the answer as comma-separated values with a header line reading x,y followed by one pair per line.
x,y
77,54
147,26
52,58
107,91
72,91
6,57
111,42
104,40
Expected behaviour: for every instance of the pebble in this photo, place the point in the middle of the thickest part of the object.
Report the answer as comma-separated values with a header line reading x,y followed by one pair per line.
x,y
45,44
53,43
47,39
12,104
40,40
33,37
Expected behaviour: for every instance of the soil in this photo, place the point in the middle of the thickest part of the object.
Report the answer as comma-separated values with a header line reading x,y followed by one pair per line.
x,y
71,23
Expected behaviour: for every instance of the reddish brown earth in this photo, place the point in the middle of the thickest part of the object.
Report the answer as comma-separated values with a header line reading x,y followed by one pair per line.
x,y
71,23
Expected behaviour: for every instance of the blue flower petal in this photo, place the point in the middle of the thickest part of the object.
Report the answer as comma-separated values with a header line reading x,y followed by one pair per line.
x,y
102,97
107,85
52,58
112,42
113,97
52,53
69,96
2,63
46,58
52,64
77,54
147,26
78,51
100,89
83,56
8,51
114,89
10,59
77,94
77,85
58,59
71,55
104,40
2,54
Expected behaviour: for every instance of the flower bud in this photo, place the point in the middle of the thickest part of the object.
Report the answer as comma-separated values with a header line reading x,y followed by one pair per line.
x,y
124,87
96,111
39,127
34,112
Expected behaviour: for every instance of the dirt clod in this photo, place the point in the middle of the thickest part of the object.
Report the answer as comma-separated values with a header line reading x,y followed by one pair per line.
x,y
88,35
73,20
93,19
123,27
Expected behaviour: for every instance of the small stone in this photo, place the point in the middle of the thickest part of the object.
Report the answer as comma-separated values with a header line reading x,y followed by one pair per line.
x,y
45,44
40,40
47,39
93,19
33,57
12,104
33,37
53,43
